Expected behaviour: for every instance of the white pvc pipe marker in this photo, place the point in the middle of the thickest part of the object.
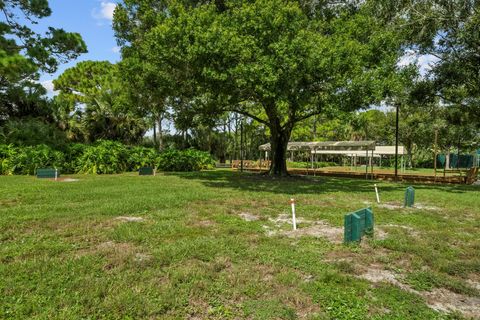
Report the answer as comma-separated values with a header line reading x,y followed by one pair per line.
x,y
376,192
294,221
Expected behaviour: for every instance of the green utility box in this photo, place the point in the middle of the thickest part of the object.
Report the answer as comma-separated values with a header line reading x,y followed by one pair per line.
x,y
146,171
48,173
357,224
409,197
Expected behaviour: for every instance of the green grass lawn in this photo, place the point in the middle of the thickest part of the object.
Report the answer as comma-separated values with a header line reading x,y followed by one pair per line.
x,y
66,254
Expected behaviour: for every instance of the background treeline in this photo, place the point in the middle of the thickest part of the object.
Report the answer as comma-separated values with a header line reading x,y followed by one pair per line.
x,y
225,105
102,157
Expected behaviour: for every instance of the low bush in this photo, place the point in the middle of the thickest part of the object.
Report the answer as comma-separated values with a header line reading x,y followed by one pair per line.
x,y
26,160
103,157
184,160
141,157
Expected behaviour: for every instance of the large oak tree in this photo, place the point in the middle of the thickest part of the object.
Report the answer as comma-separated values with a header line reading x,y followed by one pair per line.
x,y
277,62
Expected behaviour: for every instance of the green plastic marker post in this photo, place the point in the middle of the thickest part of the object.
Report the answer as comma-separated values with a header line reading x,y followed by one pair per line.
x,y
409,197
146,171
357,224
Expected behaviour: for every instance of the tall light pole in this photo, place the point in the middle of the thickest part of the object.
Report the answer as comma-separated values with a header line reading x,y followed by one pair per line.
x,y
241,145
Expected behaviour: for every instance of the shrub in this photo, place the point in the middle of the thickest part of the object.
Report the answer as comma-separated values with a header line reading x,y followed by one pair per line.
x,y
73,152
141,157
7,154
26,160
186,160
103,157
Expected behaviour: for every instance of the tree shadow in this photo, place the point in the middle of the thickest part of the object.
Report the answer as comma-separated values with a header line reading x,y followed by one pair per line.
x,y
255,182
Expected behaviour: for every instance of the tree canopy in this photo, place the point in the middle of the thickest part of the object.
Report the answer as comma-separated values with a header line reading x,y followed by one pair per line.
x,y
268,60
23,53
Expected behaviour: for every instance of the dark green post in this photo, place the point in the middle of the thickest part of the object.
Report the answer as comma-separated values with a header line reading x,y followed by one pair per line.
x,y
146,171
357,224
409,197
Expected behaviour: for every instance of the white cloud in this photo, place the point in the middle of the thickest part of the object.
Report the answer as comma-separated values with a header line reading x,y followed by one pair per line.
x,y
423,62
105,11
407,59
116,49
426,62
48,85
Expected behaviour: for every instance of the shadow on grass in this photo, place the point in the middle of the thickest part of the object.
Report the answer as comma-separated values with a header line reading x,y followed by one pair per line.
x,y
256,182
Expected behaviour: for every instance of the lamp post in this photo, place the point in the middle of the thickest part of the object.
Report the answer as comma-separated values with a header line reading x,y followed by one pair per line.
x,y
241,145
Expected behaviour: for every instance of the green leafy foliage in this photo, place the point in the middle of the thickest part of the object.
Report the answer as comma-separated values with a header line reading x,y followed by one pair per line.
x,y
94,92
269,60
103,157
141,157
26,160
187,160
32,131
24,52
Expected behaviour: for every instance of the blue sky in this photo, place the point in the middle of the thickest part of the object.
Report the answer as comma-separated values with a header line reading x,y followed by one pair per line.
x,y
93,20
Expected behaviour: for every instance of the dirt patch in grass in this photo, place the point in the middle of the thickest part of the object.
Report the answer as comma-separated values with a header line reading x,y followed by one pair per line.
x,y
409,230
391,206
116,253
203,223
66,180
445,300
248,216
439,299
319,229
399,206
130,219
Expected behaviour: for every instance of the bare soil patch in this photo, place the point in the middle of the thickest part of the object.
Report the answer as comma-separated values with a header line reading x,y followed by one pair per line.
x,y
130,219
248,216
319,229
439,299
399,206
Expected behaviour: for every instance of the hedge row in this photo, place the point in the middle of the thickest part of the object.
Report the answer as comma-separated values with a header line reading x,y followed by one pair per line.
x,y
103,157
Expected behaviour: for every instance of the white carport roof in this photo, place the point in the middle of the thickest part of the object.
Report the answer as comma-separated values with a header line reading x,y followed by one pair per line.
x,y
326,145
379,151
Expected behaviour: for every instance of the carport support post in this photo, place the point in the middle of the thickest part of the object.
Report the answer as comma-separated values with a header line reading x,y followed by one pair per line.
x,y
366,165
371,163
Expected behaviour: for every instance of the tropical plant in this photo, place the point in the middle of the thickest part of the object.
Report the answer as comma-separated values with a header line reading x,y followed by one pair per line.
x,y
184,160
141,157
26,160
104,157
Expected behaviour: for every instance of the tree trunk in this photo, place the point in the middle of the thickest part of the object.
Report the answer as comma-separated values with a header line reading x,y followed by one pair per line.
x,y
155,134
160,133
279,142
